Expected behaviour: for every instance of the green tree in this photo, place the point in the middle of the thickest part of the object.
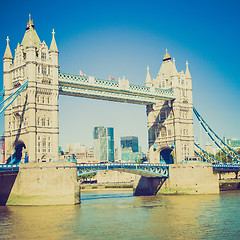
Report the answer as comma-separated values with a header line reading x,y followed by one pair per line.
x,y
88,176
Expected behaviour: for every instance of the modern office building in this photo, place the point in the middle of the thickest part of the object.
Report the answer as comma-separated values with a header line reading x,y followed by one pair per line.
x,y
103,141
129,143
129,149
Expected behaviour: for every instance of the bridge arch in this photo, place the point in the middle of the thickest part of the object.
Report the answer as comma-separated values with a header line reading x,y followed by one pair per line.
x,y
18,146
16,157
165,155
145,170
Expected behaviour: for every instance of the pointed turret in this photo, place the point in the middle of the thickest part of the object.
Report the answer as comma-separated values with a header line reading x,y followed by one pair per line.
x,y
123,83
53,53
187,73
166,67
167,56
175,72
148,81
30,38
8,53
53,47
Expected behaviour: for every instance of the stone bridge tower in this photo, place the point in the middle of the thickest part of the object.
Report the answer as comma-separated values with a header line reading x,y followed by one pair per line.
x,y
32,119
170,123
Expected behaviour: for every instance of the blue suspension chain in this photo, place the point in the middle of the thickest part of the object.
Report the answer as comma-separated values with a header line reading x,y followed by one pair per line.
x,y
196,112
200,119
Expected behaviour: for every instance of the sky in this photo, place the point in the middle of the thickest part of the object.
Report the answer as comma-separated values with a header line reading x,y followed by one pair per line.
x,y
116,38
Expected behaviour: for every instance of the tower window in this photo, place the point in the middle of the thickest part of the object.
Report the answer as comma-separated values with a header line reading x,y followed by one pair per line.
x,y
44,70
162,116
43,55
43,122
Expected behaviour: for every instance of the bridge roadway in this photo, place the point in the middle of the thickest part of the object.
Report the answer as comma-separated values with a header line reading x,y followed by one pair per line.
x,y
122,91
146,169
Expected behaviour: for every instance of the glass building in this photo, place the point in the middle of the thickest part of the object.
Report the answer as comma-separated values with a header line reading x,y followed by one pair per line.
x,y
129,143
130,150
234,143
103,140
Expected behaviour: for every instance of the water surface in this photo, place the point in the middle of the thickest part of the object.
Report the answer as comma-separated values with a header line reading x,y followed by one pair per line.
x,y
120,215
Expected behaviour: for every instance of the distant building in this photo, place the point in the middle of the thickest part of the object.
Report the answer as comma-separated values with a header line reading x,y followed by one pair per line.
x,y
103,140
81,153
130,150
208,147
133,157
128,143
233,143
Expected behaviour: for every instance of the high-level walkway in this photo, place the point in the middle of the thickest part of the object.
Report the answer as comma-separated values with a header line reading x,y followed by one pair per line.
x,y
122,91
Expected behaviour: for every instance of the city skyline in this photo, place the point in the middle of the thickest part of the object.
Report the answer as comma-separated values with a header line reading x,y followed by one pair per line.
x,y
116,39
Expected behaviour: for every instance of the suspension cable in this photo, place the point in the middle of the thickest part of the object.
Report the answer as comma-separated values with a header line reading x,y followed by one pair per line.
x,y
17,93
205,126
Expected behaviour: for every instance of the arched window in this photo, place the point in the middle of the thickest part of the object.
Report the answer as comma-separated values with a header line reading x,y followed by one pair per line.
x,y
43,122
162,116
163,132
44,144
169,133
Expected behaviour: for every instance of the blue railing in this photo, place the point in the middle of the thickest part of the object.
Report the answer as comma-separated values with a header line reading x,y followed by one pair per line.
x,y
226,167
9,168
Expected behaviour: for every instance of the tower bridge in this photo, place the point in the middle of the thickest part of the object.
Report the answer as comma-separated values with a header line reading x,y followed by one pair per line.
x,y
33,117
32,85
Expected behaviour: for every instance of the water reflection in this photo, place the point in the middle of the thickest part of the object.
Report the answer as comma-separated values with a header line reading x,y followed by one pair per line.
x,y
120,215
176,217
43,222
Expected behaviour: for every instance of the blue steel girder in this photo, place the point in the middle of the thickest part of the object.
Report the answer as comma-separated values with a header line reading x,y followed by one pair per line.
x,y
147,170
9,168
226,167
83,86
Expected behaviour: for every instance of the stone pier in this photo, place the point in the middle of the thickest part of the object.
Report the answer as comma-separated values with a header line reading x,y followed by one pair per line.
x,y
45,183
184,178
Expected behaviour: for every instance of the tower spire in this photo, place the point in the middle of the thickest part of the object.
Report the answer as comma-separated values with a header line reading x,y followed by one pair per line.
x,y
167,56
53,46
187,73
148,78
174,67
8,54
30,22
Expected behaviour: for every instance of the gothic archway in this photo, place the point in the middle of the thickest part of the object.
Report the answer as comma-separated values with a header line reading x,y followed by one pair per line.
x,y
19,145
165,155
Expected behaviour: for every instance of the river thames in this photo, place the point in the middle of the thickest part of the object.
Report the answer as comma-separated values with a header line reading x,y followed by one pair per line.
x,y
120,215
